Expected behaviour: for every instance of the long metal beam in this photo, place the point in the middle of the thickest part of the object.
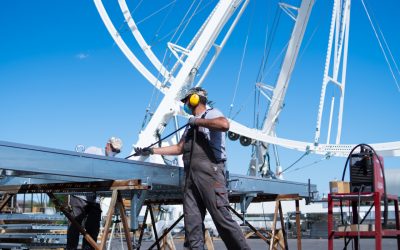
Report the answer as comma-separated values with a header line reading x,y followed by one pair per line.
x,y
46,165
75,187
20,157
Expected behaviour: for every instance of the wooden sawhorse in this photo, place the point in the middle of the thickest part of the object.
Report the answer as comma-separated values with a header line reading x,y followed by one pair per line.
x,y
75,187
278,209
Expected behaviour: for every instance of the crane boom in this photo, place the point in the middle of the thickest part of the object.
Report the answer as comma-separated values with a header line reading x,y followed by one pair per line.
x,y
279,92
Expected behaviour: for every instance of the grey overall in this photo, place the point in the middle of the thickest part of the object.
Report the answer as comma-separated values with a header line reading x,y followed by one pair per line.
x,y
205,188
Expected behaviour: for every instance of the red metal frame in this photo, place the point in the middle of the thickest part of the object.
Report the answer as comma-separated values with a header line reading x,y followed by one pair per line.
x,y
379,232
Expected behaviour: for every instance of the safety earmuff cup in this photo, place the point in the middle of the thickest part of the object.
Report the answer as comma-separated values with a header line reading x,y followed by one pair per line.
x,y
194,100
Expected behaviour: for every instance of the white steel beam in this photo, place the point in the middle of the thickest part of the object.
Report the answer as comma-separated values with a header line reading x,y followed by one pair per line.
x,y
279,92
124,48
344,73
340,150
170,104
218,48
142,42
282,83
338,40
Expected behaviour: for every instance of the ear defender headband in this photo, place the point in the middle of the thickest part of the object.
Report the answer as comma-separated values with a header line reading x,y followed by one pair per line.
x,y
194,100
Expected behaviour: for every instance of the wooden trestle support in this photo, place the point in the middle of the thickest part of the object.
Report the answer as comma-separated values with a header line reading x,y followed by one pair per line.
x,y
116,202
275,239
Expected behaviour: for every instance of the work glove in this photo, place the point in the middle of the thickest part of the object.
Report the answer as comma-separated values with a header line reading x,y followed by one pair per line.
x,y
192,121
143,151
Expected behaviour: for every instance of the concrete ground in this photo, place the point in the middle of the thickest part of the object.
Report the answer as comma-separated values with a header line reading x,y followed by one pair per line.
x,y
308,244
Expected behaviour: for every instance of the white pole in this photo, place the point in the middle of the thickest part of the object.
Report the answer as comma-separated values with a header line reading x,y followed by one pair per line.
x,y
330,120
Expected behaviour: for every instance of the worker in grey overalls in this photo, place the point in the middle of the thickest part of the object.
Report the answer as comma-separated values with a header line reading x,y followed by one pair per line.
x,y
203,149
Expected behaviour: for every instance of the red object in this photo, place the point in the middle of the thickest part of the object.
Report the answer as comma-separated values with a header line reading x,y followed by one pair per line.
x,y
366,173
378,175
378,233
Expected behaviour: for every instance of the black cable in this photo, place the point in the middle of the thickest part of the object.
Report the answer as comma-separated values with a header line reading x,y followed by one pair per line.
x,y
269,44
166,161
294,163
309,164
151,145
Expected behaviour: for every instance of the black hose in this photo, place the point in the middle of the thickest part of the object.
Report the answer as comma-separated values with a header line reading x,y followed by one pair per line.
x,y
151,145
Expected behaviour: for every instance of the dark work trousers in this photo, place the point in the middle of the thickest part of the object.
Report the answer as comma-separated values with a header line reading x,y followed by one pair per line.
x,y
205,188
90,214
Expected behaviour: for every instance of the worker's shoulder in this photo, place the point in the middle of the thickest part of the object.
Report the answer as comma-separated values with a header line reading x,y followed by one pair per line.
x,y
94,150
213,113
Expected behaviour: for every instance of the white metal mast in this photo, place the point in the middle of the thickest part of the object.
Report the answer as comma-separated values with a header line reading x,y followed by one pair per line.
x,y
170,105
336,73
279,92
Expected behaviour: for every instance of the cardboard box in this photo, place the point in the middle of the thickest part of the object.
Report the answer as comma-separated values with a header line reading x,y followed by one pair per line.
x,y
354,228
339,187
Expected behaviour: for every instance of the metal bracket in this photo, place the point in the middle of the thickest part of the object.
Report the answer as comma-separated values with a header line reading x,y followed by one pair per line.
x,y
176,49
137,201
245,200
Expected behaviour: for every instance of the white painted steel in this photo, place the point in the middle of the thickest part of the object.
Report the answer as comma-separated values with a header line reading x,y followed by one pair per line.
x,y
326,71
287,9
344,73
340,150
194,40
124,48
338,39
199,47
328,138
279,92
142,42
218,48
175,49
289,61
170,105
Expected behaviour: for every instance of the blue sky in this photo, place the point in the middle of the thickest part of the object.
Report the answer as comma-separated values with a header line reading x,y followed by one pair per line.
x,y
64,82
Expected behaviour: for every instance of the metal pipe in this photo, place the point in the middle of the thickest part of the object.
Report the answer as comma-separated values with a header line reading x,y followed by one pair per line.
x,y
167,231
154,227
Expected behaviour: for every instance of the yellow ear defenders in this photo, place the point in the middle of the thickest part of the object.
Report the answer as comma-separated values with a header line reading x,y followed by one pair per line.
x,y
194,100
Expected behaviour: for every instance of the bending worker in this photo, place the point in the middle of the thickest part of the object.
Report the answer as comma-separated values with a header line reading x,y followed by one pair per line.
x,y
203,149
86,209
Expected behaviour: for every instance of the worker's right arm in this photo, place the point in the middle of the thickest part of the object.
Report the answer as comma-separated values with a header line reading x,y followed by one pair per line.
x,y
176,149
